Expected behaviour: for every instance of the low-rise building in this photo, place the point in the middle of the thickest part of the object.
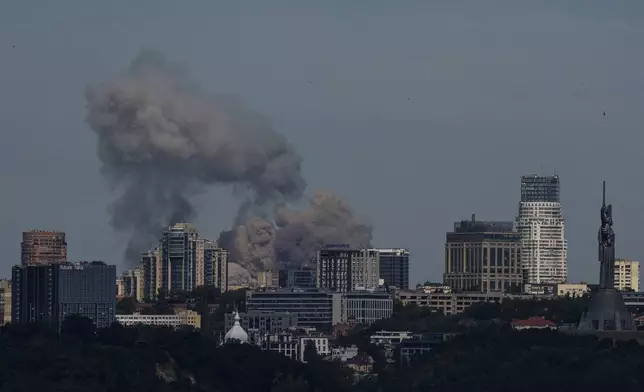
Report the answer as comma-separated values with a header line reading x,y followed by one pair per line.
x,y
263,323
361,364
320,341
447,303
366,307
179,319
342,354
533,323
321,309
573,290
421,344
283,343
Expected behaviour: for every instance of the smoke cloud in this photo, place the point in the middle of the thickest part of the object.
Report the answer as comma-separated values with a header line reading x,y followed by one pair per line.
x,y
161,141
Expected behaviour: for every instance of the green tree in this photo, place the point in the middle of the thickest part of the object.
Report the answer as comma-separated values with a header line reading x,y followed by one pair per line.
x,y
126,305
310,352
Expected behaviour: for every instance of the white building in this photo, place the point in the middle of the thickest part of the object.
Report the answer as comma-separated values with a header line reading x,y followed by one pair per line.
x,y
321,345
627,275
544,249
181,318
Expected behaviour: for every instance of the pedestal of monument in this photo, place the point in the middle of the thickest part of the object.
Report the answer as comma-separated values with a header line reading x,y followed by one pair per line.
x,y
606,312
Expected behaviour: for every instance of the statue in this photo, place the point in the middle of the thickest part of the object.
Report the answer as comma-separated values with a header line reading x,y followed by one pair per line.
x,y
606,311
606,233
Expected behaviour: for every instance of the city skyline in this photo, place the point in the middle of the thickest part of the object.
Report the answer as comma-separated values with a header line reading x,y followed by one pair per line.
x,y
434,118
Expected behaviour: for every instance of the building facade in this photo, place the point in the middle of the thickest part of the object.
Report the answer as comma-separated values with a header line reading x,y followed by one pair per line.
x,y
263,323
180,318
5,301
301,277
544,249
448,303
130,284
49,293
43,247
627,275
179,257
342,269
366,307
394,267
483,256
316,309
183,262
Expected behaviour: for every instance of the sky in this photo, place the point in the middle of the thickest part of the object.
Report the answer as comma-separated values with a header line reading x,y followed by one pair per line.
x,y
419,113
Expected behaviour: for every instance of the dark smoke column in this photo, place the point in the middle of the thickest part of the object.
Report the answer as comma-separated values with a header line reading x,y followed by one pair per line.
x,y
160,142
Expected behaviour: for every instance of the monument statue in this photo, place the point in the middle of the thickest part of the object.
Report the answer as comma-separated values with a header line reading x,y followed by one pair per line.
x,y
606,245
606,311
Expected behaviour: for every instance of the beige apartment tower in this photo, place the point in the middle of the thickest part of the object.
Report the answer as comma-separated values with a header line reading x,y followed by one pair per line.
x,y
43,247
483,256
627,275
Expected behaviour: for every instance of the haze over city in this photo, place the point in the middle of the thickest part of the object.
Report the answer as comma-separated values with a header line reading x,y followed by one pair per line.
x,y
417,114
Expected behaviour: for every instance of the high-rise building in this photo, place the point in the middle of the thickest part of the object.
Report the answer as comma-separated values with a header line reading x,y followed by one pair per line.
x,y
152,273
394,267
49,293
182,262
43,247
342,269
215,265
130,284
179,257
5,301
627,275
483,256
544,249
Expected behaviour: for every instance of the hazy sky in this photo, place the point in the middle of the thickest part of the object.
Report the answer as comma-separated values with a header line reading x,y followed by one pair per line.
x,y
419,113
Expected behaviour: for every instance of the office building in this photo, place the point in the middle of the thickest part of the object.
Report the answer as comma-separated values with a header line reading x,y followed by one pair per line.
x,y
316,309
483,256
43,247
366,307
394,267
49,293
627,275
301,277
182,262
342,269
321,309
544,249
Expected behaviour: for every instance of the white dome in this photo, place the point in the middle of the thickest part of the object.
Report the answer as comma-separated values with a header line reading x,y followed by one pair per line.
x,y
236,332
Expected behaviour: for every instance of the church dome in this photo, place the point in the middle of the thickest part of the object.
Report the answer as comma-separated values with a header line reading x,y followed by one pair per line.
x,y
236,332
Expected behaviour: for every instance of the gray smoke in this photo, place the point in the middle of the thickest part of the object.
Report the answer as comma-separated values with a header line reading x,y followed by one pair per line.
x,y
161,142
295,236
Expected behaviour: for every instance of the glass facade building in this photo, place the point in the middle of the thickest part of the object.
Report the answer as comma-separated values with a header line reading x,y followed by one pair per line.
x,y
394,267
50,293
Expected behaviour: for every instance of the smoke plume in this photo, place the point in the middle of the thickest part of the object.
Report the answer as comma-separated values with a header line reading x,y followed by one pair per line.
x,y
161,141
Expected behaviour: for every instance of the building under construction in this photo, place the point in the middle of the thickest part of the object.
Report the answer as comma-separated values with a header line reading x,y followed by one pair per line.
x,y
536,188
43,247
